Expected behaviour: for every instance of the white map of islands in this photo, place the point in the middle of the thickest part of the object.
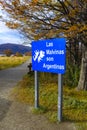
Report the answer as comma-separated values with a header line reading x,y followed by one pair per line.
x,y
38,55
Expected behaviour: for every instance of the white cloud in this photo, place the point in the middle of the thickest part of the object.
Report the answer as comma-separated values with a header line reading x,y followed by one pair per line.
x,y
9,38
9,35
3,28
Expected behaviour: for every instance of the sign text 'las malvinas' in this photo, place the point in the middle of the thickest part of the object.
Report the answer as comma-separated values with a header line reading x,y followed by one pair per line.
x,y
49,55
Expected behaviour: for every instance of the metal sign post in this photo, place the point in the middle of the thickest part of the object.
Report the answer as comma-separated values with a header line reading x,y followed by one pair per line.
x,y
36,90
60,95
49,55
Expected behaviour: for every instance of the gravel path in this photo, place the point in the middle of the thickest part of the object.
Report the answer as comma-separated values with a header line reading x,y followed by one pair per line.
x,y
10,77
18,116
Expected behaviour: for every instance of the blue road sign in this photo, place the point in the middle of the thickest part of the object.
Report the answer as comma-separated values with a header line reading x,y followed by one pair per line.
x,y
49,55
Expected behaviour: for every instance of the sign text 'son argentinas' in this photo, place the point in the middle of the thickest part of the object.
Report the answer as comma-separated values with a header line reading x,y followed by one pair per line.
x,y
49,55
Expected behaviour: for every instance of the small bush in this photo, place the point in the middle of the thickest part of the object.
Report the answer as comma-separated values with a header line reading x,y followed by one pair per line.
x,y
71,77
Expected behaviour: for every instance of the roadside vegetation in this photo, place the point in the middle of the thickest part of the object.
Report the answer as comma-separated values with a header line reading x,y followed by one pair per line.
x,y
74,101
7,62
55,19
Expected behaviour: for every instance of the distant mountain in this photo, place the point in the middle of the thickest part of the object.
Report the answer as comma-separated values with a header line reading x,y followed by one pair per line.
x,y
14,48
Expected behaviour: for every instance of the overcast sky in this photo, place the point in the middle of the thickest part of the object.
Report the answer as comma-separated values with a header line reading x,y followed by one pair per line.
x,y
8,35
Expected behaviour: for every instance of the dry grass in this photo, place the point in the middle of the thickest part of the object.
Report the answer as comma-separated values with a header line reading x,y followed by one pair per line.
x,y
7,62
74,102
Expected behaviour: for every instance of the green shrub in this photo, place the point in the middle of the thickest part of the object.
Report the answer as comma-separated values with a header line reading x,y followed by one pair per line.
x,y
71,77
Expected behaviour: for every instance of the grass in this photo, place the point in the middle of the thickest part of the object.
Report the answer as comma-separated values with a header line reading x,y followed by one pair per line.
x,y
7,62
74,102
